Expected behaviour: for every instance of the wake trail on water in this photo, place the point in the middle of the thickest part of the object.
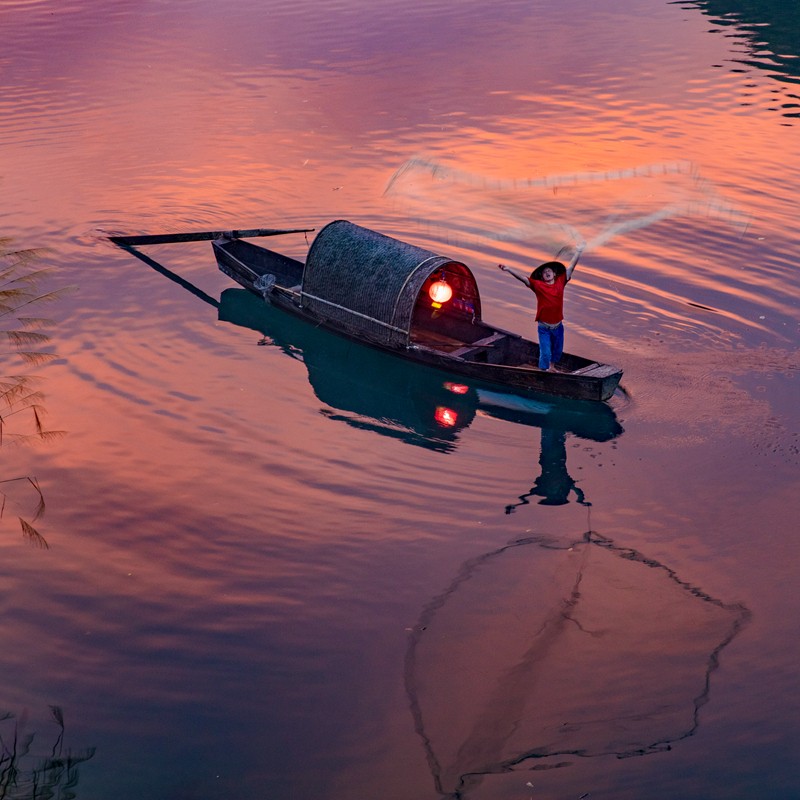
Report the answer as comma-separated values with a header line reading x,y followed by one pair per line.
x,y
532,210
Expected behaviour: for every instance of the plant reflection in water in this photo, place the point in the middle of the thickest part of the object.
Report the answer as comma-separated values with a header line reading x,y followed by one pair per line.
x,y
25,775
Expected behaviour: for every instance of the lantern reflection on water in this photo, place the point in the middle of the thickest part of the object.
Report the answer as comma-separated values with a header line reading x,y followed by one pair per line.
x,y
446,417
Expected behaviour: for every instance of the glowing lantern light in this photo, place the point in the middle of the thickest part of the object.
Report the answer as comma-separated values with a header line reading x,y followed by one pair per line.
x,y
440,292
446,417
456,388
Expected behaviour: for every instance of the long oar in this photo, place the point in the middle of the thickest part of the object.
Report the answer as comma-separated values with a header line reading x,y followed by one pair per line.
x,y
200,236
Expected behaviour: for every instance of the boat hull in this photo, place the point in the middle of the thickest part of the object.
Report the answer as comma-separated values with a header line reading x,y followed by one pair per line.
x,y
278,280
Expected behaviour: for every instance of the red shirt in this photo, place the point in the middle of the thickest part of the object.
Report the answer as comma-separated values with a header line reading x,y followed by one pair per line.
x,y
549,299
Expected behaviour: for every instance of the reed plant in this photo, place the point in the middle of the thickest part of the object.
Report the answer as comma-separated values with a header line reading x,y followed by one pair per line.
x,y
23,343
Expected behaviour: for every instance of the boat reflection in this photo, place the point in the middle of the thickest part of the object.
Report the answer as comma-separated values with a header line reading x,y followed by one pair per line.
x,y
361,386
417,404
539,653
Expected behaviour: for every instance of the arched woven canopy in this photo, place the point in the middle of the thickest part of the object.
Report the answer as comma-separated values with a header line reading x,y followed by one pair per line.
x,y
369,283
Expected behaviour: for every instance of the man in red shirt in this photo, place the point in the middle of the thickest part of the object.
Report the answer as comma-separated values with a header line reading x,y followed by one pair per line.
x,y
547,282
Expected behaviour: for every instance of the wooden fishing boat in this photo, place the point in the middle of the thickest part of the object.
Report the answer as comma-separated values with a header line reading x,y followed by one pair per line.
x,y
401,299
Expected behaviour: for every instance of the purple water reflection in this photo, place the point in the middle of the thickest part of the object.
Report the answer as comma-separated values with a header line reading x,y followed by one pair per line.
x,y
240,551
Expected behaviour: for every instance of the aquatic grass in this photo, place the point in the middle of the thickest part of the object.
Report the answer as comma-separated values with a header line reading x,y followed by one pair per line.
x,y
28,531
23,338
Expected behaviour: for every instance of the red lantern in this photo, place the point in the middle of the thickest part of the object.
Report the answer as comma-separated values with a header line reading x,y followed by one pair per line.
x,y
441,291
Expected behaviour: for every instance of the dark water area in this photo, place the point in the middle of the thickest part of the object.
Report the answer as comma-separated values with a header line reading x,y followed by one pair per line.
x,y
273,563
767,29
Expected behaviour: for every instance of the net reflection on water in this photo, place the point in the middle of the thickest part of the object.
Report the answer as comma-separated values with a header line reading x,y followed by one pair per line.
x,y
541,652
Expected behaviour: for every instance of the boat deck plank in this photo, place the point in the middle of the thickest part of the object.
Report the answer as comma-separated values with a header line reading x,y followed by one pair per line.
x,y
437,340
596,371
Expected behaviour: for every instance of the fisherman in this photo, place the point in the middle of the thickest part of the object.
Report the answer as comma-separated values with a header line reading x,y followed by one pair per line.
x,y
547,282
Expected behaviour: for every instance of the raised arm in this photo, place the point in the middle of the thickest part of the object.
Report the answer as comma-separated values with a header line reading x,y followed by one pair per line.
x,y
574,262
518,275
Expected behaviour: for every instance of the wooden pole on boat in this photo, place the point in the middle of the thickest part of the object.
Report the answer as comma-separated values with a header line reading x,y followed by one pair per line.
x,y
168,273
135,240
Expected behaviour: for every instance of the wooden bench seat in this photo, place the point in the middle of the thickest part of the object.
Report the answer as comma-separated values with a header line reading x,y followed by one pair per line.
x,y
481,344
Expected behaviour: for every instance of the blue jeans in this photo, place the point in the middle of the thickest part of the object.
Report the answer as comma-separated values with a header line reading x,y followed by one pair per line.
x,y
551,345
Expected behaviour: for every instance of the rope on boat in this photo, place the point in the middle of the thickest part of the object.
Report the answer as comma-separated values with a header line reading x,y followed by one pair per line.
x,y
353,313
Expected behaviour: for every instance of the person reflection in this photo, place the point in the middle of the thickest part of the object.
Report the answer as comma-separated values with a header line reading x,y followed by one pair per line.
x,y
555,485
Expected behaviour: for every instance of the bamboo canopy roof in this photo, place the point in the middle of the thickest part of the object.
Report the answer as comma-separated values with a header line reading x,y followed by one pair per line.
x,y
370,283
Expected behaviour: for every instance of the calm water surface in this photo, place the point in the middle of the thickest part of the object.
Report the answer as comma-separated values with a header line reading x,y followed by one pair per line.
x,y
270,571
